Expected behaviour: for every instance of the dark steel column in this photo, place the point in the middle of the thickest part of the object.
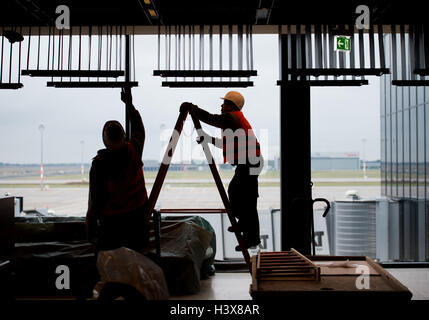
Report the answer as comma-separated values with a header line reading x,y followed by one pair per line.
x,y
295,160
127,80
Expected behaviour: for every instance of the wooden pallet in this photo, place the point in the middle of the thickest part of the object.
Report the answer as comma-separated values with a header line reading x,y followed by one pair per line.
x,y
336,283
285,265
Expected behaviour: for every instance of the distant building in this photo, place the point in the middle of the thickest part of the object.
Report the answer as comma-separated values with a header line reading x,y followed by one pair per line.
x,y
371,165
335,161
150,165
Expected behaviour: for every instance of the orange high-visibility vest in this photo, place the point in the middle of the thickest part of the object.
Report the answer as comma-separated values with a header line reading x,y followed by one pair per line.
x,y
240,146
129,192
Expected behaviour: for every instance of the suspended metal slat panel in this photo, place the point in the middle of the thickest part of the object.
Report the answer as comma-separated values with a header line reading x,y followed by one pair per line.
x,y
329,61
66,54
207,84
239,62
409,54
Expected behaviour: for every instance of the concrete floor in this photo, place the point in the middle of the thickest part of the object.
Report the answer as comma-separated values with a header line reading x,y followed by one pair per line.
x,y
222,286
235,286
415,279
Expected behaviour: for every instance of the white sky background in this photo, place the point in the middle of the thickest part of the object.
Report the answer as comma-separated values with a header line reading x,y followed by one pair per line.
x,y
341,117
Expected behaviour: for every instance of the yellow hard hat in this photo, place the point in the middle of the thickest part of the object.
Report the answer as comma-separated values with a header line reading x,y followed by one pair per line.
x,y
235,97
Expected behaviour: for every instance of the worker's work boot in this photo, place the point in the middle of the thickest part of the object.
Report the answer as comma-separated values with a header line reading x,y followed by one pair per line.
x,y
232,229
248,245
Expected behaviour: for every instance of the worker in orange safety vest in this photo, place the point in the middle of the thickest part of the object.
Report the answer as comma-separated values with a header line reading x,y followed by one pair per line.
x,y
242,150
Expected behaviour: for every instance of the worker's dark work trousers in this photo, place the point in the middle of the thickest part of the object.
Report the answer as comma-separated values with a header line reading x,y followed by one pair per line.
x,y
243,196
128,230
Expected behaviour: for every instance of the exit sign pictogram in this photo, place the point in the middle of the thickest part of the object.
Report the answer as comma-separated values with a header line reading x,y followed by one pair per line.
x,y
342,43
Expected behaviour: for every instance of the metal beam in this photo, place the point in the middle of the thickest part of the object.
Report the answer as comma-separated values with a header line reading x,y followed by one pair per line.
x,y
205,73
412,83
91,84
339,72
327,83
207,84
127,80
422,72
295,157
11,85
73,73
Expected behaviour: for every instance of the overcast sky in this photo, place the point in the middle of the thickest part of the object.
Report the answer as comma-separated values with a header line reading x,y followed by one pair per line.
x,y
341,117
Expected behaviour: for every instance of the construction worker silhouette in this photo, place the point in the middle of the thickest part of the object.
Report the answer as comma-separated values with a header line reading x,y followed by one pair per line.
x,y
117,193
241,149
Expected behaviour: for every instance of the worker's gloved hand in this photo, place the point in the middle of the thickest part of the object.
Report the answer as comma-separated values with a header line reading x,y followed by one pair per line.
x,y
186,106
126,95
203,136
200,139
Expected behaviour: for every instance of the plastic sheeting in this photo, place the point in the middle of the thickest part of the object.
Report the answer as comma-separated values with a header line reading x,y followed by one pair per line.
x,y
43,229
129,267
188,248
35,264
184,245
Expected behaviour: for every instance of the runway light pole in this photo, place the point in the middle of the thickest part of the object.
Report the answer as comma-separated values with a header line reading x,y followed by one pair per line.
x,y
363,159
41,129
82,143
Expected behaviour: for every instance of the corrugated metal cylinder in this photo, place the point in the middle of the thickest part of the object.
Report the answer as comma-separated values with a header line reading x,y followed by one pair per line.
x,y
355,228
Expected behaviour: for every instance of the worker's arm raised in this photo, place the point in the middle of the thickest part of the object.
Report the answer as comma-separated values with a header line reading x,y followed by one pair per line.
x,y
138,134
222,121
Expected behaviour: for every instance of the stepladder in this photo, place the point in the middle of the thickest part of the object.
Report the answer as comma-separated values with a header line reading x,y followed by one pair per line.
x,y
160,177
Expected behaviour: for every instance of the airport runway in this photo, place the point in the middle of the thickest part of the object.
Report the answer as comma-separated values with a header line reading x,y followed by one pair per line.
x,y
74,200
181,181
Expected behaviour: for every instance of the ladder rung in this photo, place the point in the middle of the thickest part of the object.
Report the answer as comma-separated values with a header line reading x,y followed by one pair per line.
x,y
284,267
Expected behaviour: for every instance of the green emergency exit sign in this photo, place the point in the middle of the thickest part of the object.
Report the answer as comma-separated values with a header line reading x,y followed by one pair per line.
x,y
342,43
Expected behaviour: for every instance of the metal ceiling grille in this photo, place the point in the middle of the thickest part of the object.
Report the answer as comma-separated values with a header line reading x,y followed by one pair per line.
x,y
81,57
309,55
187,56
10,63
409,55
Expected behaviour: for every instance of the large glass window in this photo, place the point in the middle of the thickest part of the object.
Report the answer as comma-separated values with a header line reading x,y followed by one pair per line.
x,y
400,152
407,176
413,96
406,97
383,134
420,95
421,151
427,151
394,155
74,120
389,154
413,150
